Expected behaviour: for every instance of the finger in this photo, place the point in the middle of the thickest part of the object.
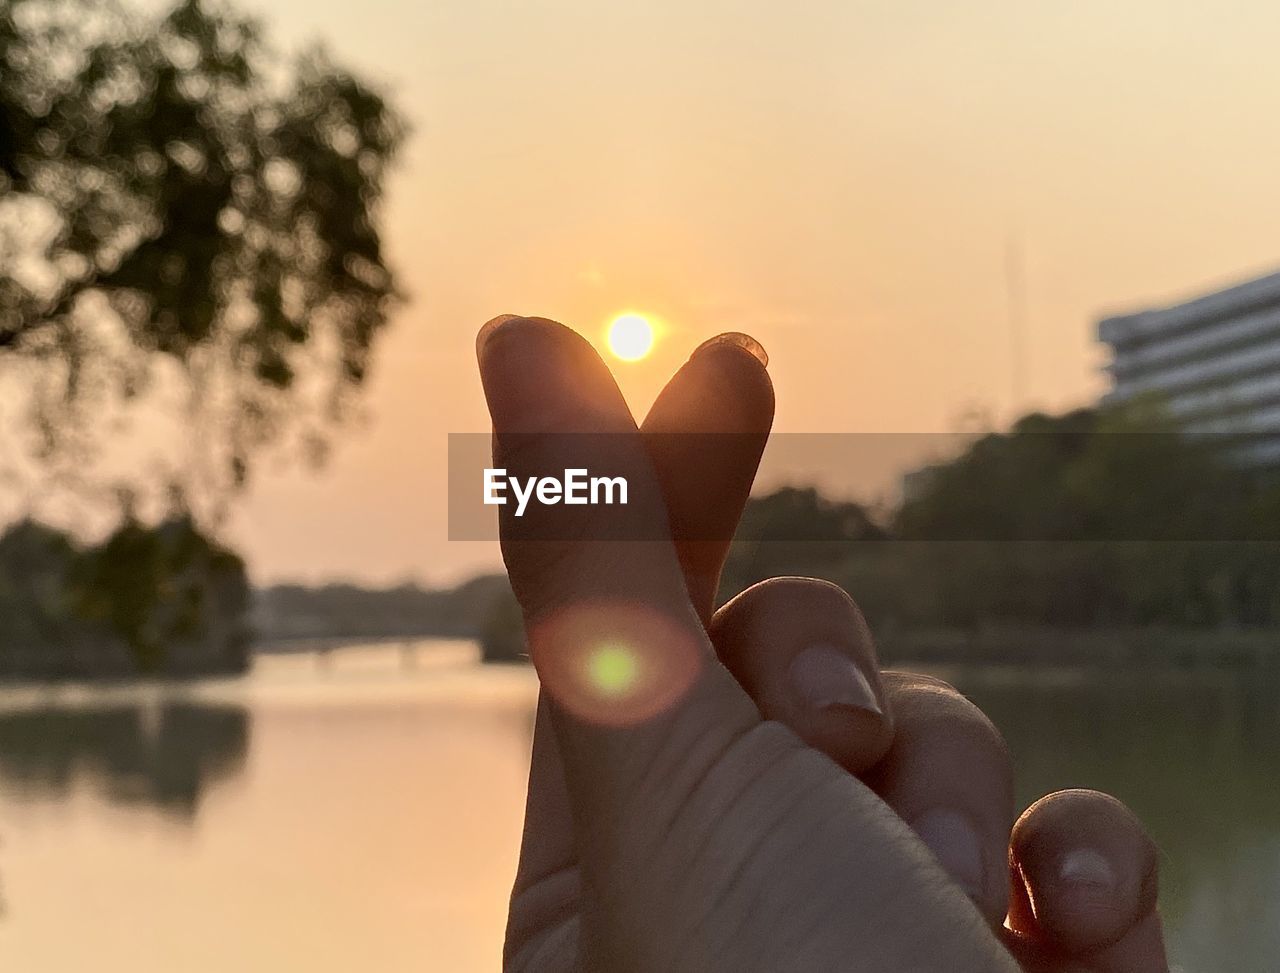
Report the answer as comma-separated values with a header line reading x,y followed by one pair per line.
x,y
705,433
611,630
802,651
1084,875
948,774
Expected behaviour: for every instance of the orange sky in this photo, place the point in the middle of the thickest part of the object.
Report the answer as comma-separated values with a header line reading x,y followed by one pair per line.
x,y
838,178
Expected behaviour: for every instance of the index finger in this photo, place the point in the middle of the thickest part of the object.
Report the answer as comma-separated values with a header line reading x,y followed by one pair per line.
x,y
705,434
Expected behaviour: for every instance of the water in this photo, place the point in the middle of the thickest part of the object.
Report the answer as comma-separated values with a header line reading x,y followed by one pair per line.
x,y
361,810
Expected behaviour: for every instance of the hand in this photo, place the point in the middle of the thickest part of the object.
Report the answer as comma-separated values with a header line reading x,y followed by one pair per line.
x,y
651,845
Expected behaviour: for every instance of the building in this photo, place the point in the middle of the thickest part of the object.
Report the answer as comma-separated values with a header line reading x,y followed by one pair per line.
x,y
1213,362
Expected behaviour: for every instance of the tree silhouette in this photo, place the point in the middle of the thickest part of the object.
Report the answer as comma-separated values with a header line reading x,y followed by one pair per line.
x,y
181,208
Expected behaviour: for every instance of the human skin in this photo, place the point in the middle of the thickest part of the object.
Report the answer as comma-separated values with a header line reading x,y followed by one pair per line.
x,y
757,819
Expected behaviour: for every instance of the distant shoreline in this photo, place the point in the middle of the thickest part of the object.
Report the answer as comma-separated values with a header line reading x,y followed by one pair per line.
x,y
1044,647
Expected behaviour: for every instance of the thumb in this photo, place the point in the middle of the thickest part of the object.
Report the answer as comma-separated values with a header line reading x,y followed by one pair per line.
x,y
1085,884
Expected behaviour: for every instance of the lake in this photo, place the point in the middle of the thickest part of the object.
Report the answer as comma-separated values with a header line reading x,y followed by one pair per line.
x,y
360,810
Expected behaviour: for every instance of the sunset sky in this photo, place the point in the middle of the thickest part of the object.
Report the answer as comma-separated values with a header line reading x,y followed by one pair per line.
x,y
840,179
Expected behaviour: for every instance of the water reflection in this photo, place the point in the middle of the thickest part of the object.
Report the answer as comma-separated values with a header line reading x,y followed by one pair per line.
x,y
165,754
382,809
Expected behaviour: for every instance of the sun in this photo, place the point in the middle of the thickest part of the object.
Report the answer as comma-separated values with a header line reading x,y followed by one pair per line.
x,y
630,336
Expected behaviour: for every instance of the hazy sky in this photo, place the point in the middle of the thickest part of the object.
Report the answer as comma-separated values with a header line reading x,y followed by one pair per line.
x,y
839,178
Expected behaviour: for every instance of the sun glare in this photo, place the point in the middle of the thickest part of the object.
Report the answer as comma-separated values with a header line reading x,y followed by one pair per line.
x,y
630,337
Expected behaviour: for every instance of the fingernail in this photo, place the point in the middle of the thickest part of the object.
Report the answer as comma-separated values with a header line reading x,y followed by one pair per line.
x,y
532,374
486,331
734,339
954,841
822,676
1089,879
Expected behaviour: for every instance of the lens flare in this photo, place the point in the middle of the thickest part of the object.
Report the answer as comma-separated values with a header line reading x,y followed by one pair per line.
x,y
614,669
614,664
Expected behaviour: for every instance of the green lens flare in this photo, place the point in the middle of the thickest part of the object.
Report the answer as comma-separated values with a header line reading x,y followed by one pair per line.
x,y
613,669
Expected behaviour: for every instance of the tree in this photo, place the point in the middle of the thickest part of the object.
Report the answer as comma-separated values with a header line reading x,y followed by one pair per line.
x,y
163,599
1107,519
1112,517
164,588
796,530
182,210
